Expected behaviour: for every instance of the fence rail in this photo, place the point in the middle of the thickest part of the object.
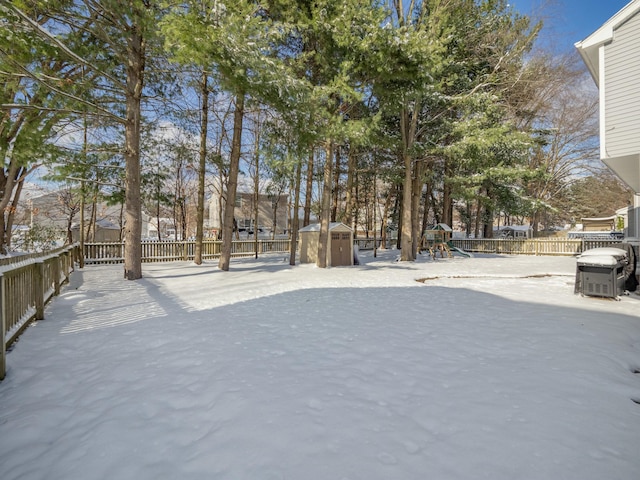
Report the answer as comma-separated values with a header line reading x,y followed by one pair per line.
x,y
27,284
154,251
535,246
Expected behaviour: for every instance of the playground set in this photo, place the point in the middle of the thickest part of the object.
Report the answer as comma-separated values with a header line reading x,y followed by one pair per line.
x,y
438,239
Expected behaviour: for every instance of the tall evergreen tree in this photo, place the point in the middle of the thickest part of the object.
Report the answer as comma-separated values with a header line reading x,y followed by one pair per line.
x,y
238,43
32,105
111,40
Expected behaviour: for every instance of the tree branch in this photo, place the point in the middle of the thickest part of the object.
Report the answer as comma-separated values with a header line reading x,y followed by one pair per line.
x,y
44,33
59,92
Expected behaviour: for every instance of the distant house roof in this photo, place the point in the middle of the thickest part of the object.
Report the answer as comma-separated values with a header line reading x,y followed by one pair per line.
x,y
107,224
590,46
599,224
103,223
519,228
599,219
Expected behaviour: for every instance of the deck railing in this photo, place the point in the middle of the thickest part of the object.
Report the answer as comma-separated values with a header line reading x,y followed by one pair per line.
x,y
27,284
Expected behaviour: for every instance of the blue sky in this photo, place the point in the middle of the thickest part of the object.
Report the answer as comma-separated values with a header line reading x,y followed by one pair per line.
x,y
569,21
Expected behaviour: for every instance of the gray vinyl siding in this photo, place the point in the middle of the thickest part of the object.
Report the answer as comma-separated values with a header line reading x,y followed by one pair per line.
x,y
622,90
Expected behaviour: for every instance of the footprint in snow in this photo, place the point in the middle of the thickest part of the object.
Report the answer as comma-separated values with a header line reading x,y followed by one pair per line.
x,y
387,459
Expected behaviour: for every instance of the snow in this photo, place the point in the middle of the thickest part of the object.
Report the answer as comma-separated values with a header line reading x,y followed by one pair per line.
x,y
488,367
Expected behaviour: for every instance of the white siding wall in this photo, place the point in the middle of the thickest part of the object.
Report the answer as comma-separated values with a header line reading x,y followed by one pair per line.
x,y
245,212
215,221
622,91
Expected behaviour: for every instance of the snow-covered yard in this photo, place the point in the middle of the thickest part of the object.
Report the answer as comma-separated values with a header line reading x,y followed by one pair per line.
x,y
489,368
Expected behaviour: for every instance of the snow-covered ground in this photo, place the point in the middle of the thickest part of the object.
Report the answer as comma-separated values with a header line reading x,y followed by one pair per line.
x,y
489,368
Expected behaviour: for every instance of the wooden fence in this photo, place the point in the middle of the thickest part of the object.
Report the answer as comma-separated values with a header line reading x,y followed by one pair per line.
x,y
165,251
535,246
154,251
27,284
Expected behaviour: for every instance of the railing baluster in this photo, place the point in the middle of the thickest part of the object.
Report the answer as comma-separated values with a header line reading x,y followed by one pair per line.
x,y
25,287
3,329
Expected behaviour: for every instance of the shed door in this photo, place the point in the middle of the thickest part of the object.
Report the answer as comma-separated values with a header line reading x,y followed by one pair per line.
x,y
340,249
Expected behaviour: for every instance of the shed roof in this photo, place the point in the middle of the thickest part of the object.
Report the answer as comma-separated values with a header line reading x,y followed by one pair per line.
x,y
315,227
441,226
590,46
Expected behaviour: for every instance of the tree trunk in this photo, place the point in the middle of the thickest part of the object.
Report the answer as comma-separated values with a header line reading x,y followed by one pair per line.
x,y
426,208
8,184
336,187
256,193
308,190
487,226
408,122
133,208
476,224
274,218
350,198
385,216
398,215
81,229
416,191
202,167
93,220
447,205
295,221
323,240
11,214
375,211
232,184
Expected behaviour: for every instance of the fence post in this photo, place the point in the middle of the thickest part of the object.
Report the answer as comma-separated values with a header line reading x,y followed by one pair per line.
x,y
39,289
3,346
56,275
64,269
81,253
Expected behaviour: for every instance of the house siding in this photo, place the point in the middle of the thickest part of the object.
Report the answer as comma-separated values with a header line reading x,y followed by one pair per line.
x,y
622,91
244,213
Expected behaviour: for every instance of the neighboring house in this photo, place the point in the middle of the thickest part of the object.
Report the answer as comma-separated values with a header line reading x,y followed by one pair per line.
x,y
106,231
601,227
601,224
612,55
46,209
271,209
514,231
150,227
614,223
59,210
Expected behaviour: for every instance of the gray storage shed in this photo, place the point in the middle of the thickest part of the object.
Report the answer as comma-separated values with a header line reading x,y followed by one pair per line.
x,y
339,249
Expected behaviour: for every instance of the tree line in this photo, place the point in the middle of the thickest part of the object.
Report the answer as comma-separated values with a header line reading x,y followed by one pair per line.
x,y
365,111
